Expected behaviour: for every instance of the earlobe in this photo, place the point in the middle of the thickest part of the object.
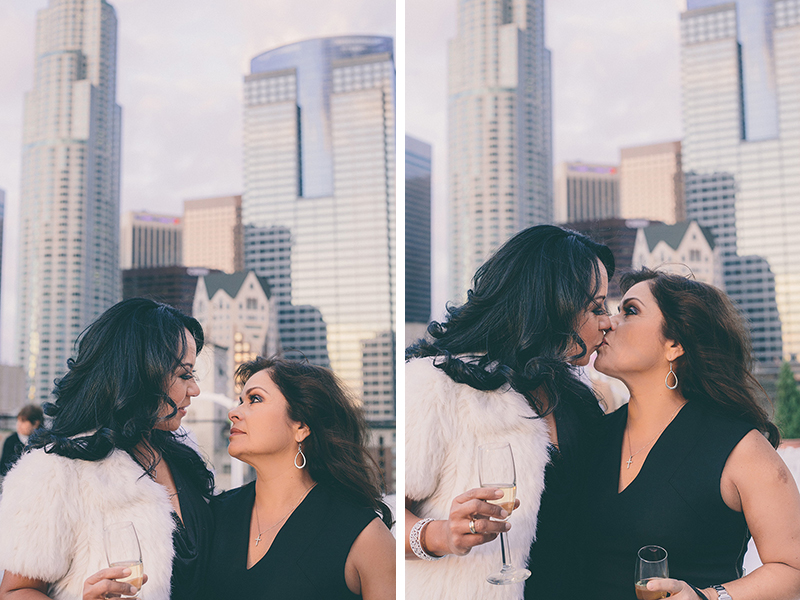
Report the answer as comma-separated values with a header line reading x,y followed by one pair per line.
x,y
302,433
674,350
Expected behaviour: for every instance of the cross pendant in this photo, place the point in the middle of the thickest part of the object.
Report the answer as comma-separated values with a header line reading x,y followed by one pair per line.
x,y
630,460
258,539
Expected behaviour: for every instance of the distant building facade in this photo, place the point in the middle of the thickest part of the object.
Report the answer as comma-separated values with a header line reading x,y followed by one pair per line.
x,y
684,248
69,197
418,231
651,183
499,122
212,233
150,240
175,286
237,316
586,192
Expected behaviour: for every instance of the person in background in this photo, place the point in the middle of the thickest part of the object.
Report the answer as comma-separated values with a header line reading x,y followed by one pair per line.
x,y
29,419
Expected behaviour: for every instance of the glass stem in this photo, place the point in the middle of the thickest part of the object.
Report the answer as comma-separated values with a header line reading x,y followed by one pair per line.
x,y
504,550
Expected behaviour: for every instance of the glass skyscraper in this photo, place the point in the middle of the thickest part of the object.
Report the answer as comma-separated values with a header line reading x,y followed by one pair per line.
x,y
69,255
319,139
740,67
418,231
499,130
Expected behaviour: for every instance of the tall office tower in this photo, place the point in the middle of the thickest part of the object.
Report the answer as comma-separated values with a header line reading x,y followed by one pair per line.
x,y
499,130
748,280
148,240
741,117
175,286
319,137
651,183
69,256
586,192
212,233
2,230
418,236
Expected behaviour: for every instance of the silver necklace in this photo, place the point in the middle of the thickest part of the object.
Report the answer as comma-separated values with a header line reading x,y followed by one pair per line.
x,y
647,445
279,521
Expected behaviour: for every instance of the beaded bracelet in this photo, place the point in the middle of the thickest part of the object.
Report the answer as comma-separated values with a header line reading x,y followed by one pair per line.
x,y
414,541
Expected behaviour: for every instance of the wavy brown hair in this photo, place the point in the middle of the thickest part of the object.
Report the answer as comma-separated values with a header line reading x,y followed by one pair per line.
x,y
336,445
715,368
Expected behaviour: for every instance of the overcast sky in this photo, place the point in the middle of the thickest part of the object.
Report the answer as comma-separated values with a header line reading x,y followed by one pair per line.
x,y
179,82
615,84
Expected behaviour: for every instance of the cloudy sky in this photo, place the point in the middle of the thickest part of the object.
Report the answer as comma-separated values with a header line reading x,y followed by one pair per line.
x,y
179,82
615,84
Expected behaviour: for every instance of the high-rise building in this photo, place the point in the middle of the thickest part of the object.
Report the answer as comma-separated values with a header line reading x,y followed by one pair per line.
x,y
651,183
319,138
212,233
499,130
149,240
586,192
2,230
69,252
741,118
418,232
175,286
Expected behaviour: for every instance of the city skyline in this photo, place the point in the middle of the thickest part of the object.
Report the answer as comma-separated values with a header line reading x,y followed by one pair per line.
x,y
162,70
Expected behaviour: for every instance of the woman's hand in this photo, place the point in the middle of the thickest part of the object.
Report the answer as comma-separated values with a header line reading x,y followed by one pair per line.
x,y
678,590
454,535
101,585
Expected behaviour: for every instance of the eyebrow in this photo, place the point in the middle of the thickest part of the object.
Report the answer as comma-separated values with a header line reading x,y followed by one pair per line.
x,y
255,387
628,300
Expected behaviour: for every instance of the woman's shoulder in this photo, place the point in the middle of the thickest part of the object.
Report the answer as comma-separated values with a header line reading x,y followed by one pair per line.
x,y
225,501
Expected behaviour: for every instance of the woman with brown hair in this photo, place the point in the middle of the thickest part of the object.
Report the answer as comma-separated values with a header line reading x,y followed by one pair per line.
x,y
312,524
689,463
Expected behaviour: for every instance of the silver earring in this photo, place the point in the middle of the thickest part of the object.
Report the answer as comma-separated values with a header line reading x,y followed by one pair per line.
x,y
666,379
300,453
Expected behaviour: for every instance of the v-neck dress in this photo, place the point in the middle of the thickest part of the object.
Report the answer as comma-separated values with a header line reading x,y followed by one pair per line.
x,y
674,502
306,559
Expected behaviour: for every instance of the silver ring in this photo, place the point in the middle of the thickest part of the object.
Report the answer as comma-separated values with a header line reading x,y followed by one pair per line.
x,y
472,526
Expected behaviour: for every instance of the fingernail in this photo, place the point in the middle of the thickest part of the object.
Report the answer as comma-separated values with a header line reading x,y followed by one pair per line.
x,y
126,571
498,493
133,591
508,526
503,513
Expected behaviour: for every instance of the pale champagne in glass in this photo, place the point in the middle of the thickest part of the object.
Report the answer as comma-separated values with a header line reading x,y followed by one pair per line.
x,y
122,550
651,563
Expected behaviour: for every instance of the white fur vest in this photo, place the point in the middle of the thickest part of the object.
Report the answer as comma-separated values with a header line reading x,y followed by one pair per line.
x,y
445,423
52,515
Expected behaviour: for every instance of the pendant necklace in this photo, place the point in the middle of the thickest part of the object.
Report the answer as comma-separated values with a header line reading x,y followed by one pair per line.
x,y
647,445
258,524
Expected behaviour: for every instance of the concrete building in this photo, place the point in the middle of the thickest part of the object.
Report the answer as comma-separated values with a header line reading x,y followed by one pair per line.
x,y
499,122
418,231
741,117
238,317
586,192
319,139
150,240
212,233
69,222
685,248
651,183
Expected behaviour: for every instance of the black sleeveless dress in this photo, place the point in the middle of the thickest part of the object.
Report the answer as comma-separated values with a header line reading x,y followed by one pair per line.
x,y
674,502
306,560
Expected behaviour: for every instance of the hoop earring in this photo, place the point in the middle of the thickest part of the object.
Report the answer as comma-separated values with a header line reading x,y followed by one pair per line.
x,y
299,453
666,379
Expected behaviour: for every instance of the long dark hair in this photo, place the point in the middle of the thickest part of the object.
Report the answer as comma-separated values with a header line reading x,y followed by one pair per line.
x,y
335,448
715,366
520,318
116,386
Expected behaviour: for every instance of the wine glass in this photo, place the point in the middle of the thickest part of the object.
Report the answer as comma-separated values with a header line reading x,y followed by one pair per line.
x,y
496,469
651,563
122,550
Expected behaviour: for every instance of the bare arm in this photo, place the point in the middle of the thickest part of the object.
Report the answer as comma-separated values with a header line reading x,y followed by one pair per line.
x,y
453,536
17,587
99,585
757,482
370,567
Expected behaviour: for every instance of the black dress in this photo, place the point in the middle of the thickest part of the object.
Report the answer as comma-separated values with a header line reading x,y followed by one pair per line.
x,y
551,559
12,450
674,502
306,559
191,540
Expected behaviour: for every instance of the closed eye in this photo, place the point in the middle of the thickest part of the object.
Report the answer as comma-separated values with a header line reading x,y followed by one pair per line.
x,y
629,310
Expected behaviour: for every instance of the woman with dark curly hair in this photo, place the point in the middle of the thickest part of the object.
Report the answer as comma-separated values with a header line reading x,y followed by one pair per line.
x,y
689,463
112,454
312,524
501,368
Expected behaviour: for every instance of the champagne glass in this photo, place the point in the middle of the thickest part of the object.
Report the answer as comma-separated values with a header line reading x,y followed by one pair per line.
x,y
651,563
122,550
496,469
